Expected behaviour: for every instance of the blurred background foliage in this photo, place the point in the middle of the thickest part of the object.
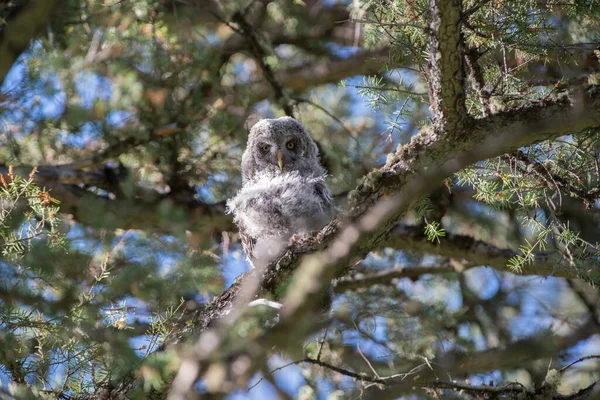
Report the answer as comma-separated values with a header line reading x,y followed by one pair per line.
x,y
136,113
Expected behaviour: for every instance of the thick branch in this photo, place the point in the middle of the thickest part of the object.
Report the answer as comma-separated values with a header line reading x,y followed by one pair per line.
x,y
460,247
20,29
446,91
475,252
320,73
161,213
51,175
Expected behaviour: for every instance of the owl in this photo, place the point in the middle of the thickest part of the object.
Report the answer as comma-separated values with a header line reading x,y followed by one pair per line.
x,y
284,190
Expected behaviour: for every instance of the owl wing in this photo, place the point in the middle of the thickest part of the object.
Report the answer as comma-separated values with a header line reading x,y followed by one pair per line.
x,y
248,243
324,194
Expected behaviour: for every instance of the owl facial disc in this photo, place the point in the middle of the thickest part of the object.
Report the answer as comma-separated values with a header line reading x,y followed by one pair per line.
x,y
280,146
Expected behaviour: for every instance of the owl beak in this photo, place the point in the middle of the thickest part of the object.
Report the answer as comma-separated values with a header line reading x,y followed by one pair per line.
x,y
280,159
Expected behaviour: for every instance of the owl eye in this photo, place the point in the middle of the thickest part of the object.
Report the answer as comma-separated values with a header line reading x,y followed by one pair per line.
x,y
265,147
291,145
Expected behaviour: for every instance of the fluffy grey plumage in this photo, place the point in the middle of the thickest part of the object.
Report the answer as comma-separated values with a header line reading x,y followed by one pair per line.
x,y
277,134
284,191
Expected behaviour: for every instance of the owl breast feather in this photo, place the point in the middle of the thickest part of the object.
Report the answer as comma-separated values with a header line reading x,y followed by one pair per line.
x,y
272,208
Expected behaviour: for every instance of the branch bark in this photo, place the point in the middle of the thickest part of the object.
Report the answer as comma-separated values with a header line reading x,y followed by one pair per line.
x,y
446,92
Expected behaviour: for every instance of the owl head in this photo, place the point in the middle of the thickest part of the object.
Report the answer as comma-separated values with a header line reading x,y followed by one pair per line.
x,y
277,146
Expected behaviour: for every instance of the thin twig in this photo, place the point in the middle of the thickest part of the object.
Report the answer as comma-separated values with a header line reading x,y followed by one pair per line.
x,y
360,376
590,357
273,371
323,343
335,118
367,360
259,54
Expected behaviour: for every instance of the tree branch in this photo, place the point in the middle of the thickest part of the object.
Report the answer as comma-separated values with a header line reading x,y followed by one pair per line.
x,y
475,252
145,209
27,22
161,213
445,70
65,176
259,55
461,247
581,359
556,180
123,145
320,73
478,81
387,277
